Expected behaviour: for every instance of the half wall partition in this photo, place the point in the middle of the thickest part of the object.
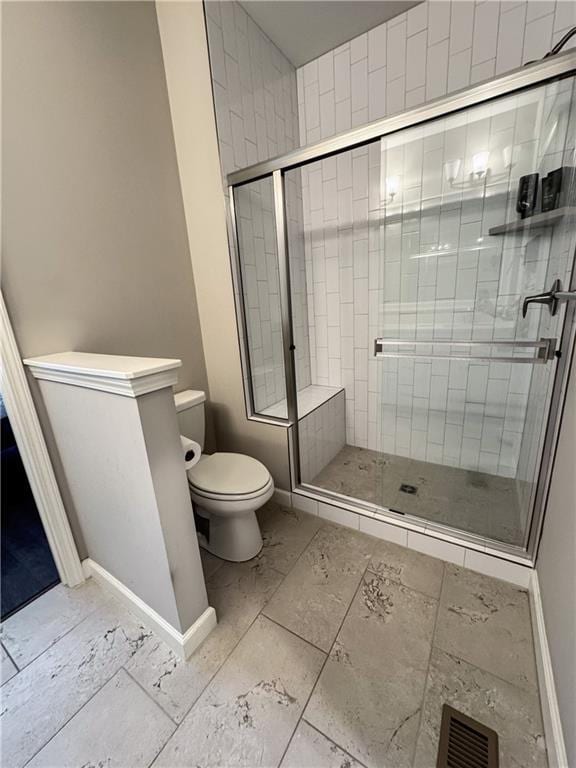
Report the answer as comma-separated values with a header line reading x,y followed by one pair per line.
x,y
409,314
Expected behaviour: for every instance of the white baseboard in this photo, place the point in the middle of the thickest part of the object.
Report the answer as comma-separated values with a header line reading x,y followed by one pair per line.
x,y
557,757
183,645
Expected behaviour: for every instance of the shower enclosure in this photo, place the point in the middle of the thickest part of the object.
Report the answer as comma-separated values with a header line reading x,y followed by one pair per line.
x,y
409,316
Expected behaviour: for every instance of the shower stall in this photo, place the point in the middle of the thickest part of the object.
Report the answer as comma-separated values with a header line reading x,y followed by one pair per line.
x,y
407,313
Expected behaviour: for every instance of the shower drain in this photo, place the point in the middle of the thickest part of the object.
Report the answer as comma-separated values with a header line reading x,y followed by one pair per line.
x,y
406,488
465,743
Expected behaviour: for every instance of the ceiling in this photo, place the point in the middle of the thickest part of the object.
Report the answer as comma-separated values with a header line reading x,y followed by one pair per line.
x,y
305,29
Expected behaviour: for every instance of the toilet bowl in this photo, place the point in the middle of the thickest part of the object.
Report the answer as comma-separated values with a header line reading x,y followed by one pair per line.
x,y
226,489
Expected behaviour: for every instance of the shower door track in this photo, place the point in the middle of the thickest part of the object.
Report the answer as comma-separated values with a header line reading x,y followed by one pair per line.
x,y
547,70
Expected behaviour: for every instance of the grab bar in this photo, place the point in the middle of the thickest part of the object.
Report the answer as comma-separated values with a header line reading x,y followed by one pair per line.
x,y
545,350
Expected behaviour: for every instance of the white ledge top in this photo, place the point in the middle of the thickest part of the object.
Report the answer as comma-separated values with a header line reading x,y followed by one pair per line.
x,y
129,376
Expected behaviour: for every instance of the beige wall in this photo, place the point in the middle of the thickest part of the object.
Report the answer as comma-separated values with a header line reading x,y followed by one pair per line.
x,y
556,566
185,50
95,249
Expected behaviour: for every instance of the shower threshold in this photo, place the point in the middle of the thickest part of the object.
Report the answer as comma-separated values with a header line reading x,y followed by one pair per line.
x,y
474,502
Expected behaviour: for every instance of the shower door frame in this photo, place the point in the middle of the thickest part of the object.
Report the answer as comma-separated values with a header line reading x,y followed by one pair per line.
x,y
539,73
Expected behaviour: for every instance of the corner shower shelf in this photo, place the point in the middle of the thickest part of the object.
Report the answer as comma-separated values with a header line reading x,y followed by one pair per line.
x,y
538,221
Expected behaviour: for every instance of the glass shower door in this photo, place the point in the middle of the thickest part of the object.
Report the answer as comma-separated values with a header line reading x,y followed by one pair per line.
x,y
461,377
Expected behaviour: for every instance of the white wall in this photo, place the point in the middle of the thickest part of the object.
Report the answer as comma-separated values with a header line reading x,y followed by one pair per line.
x,y
556,566
427,52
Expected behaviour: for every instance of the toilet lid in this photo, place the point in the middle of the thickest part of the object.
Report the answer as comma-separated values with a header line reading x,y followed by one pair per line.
x,y
229,473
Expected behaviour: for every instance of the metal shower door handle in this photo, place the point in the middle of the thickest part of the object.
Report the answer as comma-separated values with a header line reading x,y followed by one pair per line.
x,y
552,298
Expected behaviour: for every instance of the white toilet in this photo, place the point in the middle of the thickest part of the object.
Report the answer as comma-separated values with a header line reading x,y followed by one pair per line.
x,y
226,488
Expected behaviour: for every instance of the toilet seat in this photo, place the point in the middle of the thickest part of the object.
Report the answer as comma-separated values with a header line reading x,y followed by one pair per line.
x,y
229,476
229,497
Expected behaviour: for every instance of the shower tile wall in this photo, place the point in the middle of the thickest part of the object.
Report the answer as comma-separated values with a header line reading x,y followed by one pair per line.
x,y
465,415
257,117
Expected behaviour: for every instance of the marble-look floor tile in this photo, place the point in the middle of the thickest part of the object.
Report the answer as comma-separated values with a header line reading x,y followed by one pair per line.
x,y
120,726
370,692
247,714
311,749
513,713
315,596
44,695
38,625
237,591
210,563
487,622
8,667
361,473
286,534
471,501
408,567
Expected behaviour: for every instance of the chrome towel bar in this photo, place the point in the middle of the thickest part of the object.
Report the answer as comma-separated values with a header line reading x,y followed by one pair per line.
x,y
544,350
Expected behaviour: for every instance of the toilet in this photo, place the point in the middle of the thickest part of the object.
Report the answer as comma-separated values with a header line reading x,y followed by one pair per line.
x,y
226,488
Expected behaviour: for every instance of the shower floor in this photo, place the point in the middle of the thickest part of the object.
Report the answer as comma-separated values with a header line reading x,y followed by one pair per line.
x,y
475,502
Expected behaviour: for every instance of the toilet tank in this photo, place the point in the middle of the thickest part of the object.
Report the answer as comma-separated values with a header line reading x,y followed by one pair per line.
x,y
190,409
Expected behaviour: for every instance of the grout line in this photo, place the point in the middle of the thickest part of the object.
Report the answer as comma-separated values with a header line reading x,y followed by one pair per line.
x,y
197,699
350,755
426,678
291,631
69,720
157,703
7,652
107,596
362,576
208,683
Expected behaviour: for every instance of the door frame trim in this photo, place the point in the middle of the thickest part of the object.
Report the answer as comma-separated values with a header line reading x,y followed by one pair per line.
x,y
34,454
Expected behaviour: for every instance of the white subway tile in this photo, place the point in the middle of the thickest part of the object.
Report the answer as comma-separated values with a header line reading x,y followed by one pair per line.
x,y
342,75
395,96
483,71
326,72
429,545
327,114
461,26
438,21
538,38
416,61
485,32
396,51
498,568
359,48
538,8
437,70
417,18
510,39
310,72
304,503
338,515
415,97
377,93
359,85
343,115
459,68
377,47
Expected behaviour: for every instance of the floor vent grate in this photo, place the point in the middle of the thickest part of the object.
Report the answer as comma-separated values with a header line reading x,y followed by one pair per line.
x,y
465,743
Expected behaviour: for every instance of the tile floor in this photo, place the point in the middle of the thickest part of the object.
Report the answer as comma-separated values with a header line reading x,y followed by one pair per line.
x,y
471,501
333,650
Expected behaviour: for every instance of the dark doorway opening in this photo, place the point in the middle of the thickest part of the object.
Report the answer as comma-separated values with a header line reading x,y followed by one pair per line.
x,y
28,568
